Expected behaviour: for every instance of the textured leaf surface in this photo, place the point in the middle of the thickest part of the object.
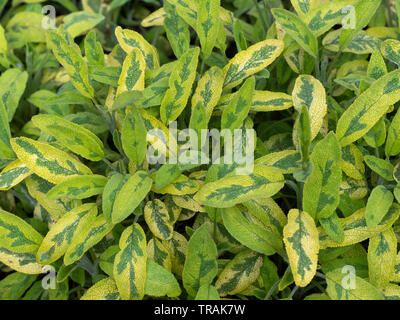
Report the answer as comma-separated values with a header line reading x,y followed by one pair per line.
x,y
71,60
180,85
130,263
250,61
74,137
302,246
321,189
47,161
297,29
239,273
310,92
368,108
201,261
233,189
132,192
61,235
362,290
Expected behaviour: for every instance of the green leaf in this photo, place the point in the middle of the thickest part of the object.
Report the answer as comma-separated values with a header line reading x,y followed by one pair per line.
x,y
207,292
24,27
61,235
14,285
303,133
390,49
362,43
71,59
180,85
321,189
382,252
208,25
177,30
38,189
379,203
106,75
133,137
368,108
93,50
325,15
105,289
333,227
130,264
238,108
157,218
302,7
80,187
17,235
132,74
47,161
309,92
239,273
74,137
90,235
302,246
252,235
159,253
339,287
392,146
80,22
177,248
380,166
297,29
160,282
364,11
129,40
248,62
208,91
352,162
5,134
131,194
356,229
201,261
12,86
13,174
377,135
232,189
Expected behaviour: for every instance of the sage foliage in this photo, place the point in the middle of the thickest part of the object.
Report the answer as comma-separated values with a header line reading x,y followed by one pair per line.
x,y
88,96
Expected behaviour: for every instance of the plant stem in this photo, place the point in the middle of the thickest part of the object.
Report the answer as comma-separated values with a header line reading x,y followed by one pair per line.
x,y
290,296
267,12
272,289
300,196
317,69
263,22
109,164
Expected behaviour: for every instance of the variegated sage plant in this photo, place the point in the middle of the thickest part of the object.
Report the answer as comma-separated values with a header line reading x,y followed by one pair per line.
x,y
91,90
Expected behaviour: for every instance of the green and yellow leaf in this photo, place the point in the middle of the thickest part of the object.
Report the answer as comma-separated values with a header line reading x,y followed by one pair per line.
x,y
239,273
158,220
61,234
302,246
47,161
130,264
201,261
80,187
13,174
72,136
180,86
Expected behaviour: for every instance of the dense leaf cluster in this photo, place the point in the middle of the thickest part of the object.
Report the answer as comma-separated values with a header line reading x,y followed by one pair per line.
x,y
94,93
